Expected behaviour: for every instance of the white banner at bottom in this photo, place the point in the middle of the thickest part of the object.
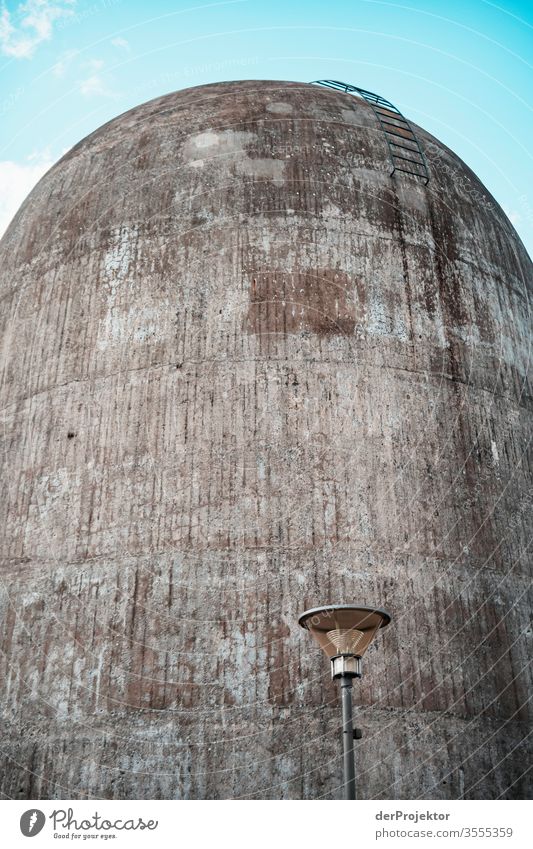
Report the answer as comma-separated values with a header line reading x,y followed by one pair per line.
x,y
259,824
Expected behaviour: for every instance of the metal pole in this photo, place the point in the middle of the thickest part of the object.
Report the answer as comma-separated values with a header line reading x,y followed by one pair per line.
x,y
347,737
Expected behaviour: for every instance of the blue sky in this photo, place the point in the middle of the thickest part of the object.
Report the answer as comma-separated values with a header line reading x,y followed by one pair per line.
x,y
463,70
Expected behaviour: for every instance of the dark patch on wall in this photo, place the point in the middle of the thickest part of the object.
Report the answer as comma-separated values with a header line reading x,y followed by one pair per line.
x,y
318,301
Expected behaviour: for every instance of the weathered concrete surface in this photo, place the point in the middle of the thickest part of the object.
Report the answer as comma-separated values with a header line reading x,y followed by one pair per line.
x,y
246,372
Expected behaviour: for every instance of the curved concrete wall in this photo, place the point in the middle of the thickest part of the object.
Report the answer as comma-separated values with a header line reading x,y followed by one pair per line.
x,y
246,372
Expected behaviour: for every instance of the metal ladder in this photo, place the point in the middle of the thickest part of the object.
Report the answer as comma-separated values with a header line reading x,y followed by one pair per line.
x,y
406,155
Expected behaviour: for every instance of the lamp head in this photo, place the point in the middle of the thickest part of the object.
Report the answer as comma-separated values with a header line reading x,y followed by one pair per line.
x,y
344,632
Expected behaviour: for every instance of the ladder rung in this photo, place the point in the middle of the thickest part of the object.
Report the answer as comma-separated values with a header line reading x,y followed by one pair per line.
x,y
403,147
408,171
398,135
388,127
406,159
384,121
386,104
388,111
414,173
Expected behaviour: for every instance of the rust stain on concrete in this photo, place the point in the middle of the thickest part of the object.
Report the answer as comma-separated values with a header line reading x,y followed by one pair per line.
x,y
320,302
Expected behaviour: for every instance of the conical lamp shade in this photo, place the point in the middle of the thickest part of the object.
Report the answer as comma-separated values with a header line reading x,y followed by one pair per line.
x,y
343,628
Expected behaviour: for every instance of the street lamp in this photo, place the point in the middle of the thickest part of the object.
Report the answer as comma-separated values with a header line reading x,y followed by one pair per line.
x,y
344,632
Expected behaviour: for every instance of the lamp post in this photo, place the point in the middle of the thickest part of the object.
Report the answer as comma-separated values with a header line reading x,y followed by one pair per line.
x,y
344,632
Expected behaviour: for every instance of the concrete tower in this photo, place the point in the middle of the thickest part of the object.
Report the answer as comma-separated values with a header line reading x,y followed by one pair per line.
x,y
245,372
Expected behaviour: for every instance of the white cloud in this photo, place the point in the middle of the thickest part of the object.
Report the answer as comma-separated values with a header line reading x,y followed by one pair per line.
x,y
16,182
30,24
63,63
120,42
93,85
95,64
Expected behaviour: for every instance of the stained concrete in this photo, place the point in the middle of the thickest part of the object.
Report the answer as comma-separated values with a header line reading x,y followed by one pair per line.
x,y
247,372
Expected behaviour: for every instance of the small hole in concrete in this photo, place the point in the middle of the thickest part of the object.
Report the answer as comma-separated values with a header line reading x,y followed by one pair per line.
x,y
71,434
